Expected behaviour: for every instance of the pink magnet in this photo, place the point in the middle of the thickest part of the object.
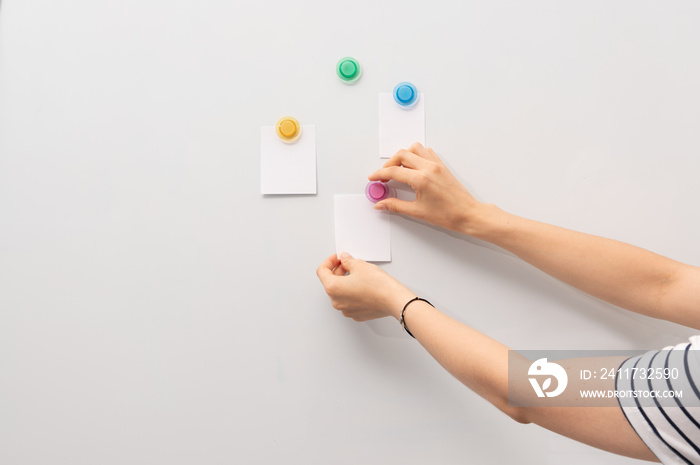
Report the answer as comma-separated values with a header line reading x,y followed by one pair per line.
x,y
377,190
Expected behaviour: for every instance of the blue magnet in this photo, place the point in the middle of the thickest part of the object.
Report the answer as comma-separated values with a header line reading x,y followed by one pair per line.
x,y
405,94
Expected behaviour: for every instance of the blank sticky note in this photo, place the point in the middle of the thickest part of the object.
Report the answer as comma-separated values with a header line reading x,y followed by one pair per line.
x,y
287,168
360,230
399,127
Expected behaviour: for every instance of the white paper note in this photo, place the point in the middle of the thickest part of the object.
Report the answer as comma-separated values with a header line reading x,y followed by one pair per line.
x,y
360,230
399,128
288,168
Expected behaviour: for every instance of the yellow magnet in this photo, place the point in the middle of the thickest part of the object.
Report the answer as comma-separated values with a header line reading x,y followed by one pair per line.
x,y
288,129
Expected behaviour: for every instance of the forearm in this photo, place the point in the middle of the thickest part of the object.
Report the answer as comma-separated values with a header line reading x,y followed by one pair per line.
x,y
479,362
622,274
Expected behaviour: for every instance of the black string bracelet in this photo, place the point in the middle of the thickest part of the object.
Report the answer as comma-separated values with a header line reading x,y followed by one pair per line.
x,y
402,322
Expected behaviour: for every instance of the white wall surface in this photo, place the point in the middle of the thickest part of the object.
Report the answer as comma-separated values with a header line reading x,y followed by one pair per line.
x,y
155,308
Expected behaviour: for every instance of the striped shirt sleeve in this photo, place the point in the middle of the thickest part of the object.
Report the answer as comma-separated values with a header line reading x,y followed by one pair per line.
x,y
658,393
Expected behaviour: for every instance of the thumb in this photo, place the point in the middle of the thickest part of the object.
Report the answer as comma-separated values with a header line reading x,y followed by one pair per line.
x,y
397,206
347,261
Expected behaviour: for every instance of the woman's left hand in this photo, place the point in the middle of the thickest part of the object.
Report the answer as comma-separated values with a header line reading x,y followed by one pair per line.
x,y
360,290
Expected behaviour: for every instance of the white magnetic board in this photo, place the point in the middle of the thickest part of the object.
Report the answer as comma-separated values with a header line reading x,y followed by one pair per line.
x,y
155,308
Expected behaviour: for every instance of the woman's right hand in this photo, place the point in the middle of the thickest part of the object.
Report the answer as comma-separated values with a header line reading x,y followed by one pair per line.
x,y
440,198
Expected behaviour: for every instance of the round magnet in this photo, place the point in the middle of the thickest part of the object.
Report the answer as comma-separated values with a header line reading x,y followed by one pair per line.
x,y
377,190
288,129
348,70
405,94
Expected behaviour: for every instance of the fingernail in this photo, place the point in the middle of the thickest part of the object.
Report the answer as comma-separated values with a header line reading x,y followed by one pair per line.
x,y
379,206
344,255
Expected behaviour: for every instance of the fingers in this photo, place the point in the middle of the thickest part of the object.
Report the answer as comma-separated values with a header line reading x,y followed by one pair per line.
x,y
419,150
347,261
415,158
398,206
340,270
432,155
396,173
325,270
407,158
424,152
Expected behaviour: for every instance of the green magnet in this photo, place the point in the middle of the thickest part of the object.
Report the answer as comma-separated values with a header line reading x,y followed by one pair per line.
x,y
348,70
